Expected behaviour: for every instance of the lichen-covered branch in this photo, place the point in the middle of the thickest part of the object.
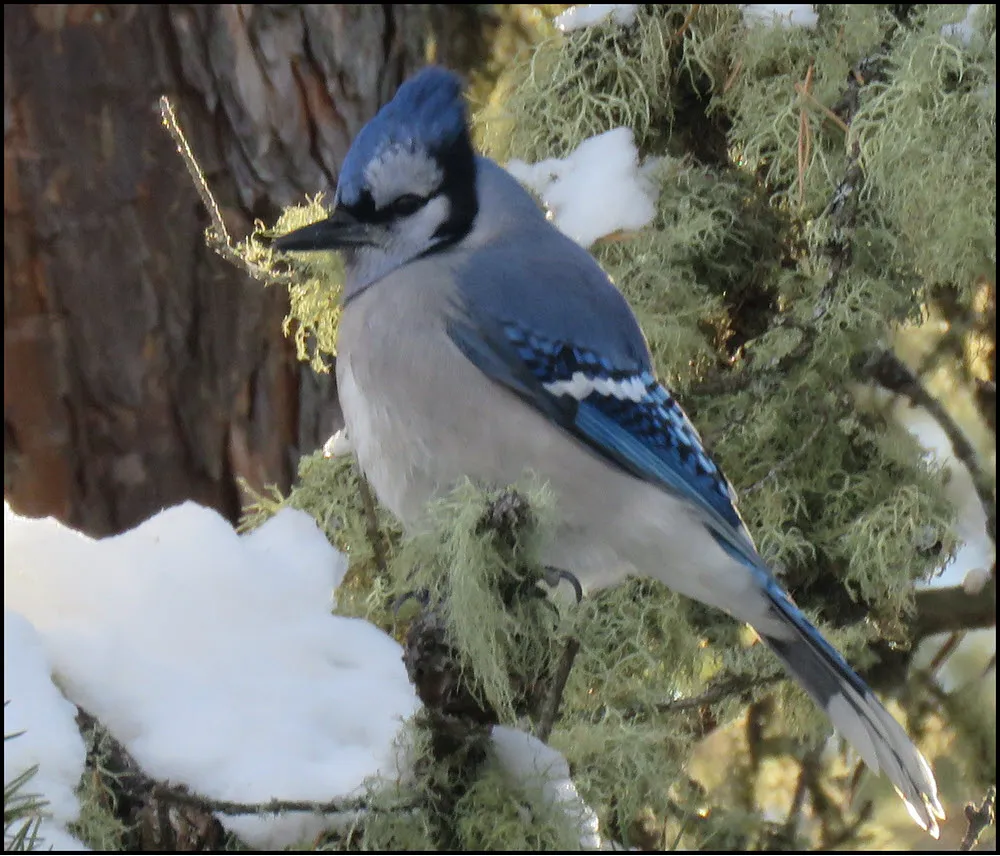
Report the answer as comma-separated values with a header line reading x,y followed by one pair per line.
x,y
841,213
151,819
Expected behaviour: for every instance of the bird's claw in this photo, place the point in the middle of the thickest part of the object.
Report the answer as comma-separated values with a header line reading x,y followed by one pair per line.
x,y
421,596
554,576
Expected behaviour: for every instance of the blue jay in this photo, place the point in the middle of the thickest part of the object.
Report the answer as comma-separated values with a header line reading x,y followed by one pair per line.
x,y
478,341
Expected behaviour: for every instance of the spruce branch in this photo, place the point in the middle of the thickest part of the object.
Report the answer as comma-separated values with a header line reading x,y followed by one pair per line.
x,y
458,715
887,370
22,809
980,818
456,718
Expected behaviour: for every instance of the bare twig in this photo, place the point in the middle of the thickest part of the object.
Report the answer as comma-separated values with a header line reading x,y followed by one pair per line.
x,y
886,369
787,461
182,796
550,710
729,686
687,20
979,818
149,823
945,651
826,111
165,817
219,233
737,68
805,135
216,235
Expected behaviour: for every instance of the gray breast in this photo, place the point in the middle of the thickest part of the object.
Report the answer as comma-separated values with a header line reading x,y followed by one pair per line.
x,y
398,376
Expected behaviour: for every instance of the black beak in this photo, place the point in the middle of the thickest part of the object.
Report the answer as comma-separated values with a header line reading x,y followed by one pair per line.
x,y
337,232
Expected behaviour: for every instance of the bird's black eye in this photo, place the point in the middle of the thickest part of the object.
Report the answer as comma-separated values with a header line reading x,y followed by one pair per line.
x,y
407,204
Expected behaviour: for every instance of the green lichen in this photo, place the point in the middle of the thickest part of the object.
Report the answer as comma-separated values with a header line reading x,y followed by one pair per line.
x,y
935,185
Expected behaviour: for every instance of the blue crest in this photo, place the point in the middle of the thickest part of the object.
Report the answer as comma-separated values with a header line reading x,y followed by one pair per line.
x,y
426,113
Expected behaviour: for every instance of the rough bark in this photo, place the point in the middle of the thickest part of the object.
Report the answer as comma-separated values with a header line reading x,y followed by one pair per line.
x,y
139,368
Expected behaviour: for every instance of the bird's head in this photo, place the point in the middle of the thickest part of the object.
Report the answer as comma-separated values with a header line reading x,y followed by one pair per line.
x,y
407,186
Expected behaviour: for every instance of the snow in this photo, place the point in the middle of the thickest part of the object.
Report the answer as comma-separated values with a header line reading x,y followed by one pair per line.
x,y
212,657
780,14
578,17
338,445
48,734
528,760
964,30
975,581
595,191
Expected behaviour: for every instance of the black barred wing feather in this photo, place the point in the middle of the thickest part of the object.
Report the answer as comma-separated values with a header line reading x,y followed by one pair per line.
x,y
619,411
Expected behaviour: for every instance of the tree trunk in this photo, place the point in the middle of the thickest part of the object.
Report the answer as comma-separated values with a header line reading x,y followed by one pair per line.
x,y
140,369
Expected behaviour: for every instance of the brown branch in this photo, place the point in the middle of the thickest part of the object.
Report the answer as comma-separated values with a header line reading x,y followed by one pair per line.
x,y
886,369
945,651
980,819
550,710
947,610
791,824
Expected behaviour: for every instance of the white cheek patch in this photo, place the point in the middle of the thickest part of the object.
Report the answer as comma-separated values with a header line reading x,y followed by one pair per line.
x,y
427,220
410,236
580,386
398,170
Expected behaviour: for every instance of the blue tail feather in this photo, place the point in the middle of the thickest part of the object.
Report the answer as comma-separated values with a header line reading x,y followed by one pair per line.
x,y
852,707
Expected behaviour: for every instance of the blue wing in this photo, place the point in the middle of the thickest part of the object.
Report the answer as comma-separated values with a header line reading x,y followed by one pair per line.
x,y
618,410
